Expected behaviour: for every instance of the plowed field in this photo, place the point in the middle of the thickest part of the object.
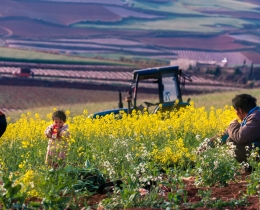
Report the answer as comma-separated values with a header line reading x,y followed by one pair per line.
x,y
208,43
22,97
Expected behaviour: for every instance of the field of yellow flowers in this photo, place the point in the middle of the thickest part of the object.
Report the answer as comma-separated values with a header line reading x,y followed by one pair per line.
x,y
136,149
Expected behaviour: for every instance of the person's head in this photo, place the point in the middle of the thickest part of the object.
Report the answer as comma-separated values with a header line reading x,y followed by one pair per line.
x,y
59,118
243,103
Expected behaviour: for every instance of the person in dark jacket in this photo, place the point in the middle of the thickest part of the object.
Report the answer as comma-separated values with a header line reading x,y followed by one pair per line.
x,y
244,135
3,123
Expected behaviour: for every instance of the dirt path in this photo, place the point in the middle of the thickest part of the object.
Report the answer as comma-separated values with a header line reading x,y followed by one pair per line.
x,y
225,194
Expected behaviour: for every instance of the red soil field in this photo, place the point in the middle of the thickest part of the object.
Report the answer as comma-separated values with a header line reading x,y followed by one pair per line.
x,y
20,97
206,43
66,13
27,28
60,13
253,56
232,191
25,97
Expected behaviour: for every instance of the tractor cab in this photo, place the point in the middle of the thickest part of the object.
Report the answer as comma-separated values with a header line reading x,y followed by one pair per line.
x,y
163,82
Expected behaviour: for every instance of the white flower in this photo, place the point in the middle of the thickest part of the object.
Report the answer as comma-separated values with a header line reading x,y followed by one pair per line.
x,y
129,157
31,184
197,137
133,178
215,165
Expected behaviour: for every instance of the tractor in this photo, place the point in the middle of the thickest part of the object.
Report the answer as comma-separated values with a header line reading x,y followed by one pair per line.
x,y
164,81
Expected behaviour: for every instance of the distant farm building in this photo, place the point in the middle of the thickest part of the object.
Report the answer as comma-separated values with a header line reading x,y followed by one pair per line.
x,y
213,63
186,63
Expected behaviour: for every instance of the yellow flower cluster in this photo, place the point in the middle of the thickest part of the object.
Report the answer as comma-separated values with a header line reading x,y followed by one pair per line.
x,y
97,139
173,152
29,182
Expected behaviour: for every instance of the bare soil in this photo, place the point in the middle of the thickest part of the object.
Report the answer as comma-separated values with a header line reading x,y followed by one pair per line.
x,y
232,191
59,12
28,28
253,56
221,42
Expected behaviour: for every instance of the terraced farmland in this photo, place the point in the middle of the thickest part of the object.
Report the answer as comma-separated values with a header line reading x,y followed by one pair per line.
x,y
160,30
232,57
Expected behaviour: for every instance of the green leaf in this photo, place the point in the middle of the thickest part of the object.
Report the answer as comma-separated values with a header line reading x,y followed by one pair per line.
x,y
14,190
20,198
63,200
35,204
87,164
7,182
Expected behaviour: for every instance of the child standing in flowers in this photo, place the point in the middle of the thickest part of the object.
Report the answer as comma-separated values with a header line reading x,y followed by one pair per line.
x,y
58,135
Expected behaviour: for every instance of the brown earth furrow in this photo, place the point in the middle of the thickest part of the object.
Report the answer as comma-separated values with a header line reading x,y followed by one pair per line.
x,y
95,75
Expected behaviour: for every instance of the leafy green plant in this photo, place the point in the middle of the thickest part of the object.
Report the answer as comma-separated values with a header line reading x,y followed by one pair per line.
x,y
217,165
89,178
61,186
10,196
56,188
208,202
253,180
138,189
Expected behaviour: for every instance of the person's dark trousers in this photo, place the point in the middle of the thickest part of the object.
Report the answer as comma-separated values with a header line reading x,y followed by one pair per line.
x,y
3,124
241,152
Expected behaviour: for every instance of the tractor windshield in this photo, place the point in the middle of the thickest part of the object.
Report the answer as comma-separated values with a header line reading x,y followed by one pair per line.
x,y
170,89
147,91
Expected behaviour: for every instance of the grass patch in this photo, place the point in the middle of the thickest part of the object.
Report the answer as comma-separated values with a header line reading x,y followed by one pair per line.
x,y
169,7
220,99
16,55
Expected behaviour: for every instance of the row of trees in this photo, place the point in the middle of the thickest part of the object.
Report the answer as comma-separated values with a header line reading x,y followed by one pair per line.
x,y
240,75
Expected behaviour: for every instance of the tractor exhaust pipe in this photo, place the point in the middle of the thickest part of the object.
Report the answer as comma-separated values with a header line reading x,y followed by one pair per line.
x,y
128,99
120,103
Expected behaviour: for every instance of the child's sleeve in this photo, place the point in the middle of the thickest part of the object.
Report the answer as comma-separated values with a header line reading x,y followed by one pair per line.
x,y
48,131
64,132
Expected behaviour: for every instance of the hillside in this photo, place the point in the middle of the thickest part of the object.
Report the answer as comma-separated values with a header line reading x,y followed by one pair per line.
x,y
135,30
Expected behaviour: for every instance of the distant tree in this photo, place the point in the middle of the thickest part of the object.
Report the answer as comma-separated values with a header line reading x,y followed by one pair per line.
x,y
237,71
122,59
217,71
251,71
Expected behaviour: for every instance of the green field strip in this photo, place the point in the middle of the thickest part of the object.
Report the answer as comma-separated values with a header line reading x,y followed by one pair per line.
x,y
117,56
194,24
16,55
169,7
224,4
